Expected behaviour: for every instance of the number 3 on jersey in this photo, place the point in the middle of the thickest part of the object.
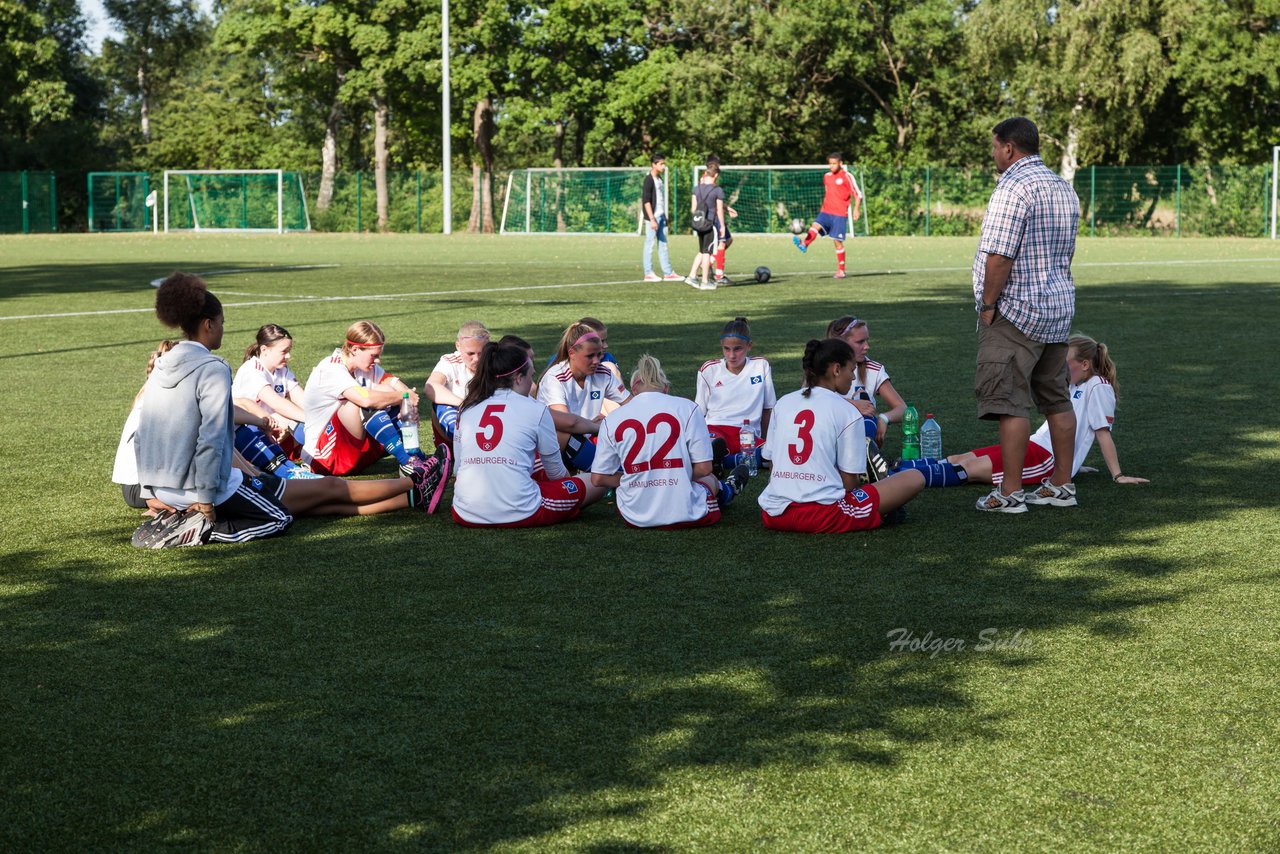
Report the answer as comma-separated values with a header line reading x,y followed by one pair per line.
x,y
660,460
803,447
490,421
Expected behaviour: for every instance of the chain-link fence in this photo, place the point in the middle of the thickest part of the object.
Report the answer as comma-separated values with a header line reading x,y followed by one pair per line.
x,y
1179,200
28,203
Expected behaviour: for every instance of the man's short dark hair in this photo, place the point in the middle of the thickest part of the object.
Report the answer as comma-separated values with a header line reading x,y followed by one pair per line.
x,y
655,158
835,155
1022,132
713,158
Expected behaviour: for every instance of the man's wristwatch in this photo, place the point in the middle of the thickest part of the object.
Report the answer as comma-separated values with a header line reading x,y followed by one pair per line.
x,y
980,307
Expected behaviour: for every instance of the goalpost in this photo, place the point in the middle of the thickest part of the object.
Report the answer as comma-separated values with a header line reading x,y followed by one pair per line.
x,y
1275,179
231,200
576,200
767,198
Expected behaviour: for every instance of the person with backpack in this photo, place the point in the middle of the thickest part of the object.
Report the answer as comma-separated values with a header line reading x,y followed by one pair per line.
x,y
708,225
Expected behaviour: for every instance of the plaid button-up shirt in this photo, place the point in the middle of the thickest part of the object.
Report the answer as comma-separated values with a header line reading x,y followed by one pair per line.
x,y
1032,218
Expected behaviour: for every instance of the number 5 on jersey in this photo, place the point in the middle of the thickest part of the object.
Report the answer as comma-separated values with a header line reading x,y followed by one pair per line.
x,y
490,433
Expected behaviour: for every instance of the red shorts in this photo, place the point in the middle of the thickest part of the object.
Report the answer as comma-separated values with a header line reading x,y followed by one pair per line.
x,y
560,503
339,453
1036,465
731,435
291,448
857,511
712,516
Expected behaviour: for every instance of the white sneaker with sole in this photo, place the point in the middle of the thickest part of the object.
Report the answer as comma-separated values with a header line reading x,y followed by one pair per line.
x,y
997,502
1054,496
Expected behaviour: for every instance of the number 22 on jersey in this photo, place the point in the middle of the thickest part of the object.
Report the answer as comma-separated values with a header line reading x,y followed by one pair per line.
x,y
631,464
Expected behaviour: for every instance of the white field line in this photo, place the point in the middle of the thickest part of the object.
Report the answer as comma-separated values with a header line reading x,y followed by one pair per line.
x,y
416,295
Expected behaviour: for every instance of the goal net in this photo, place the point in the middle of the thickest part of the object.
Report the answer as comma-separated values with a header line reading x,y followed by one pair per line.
x,y
235,200
574,201
767,198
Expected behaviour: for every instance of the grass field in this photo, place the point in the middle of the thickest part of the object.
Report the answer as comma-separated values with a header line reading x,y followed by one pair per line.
x,y
398,682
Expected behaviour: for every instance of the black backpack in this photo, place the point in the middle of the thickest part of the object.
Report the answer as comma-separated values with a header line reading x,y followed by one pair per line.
x,y
703,219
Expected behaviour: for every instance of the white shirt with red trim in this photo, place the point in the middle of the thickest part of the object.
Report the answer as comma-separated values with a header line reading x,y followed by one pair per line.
x,y
728,399
558,386
811,440
325,388
877,375
457,376
494,447
654,441
251,377
1094,403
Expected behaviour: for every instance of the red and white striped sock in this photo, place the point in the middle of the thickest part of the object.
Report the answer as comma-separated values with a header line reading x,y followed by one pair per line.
x,y
811,236
720,262
840,260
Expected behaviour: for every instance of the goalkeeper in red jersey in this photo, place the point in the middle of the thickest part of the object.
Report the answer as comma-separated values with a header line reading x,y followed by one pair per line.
x,y
833,220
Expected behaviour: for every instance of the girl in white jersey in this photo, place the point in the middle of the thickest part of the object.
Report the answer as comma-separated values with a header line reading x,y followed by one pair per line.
x,y
872,378
655,451
264,384
581,384
501,432
447,384
1093,392
735,389
819,449
350,407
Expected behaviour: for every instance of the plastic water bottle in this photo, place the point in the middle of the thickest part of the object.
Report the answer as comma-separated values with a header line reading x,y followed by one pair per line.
x,y
910,434
747,441
930,438
409,426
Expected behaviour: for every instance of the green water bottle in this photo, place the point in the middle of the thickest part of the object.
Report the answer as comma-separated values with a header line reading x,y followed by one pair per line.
x,y
910,433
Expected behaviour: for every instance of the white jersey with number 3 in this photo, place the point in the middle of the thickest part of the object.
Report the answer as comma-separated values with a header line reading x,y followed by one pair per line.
x,y
811,440
654,441
1094,402
727,399
495,445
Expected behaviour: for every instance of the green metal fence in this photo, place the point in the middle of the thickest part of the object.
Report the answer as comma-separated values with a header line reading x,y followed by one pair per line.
x,y
28,203
1177,200
118,201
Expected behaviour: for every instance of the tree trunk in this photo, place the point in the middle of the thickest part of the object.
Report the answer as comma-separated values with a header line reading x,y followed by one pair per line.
x,y
144,96
329,156
380,111
1071,150
473,222
484,131
558,162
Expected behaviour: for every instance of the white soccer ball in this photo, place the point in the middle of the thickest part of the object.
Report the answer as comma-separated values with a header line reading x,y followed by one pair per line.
x,y
797,226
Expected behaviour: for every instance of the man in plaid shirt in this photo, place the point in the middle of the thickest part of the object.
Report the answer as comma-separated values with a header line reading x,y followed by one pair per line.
x,y
1025,302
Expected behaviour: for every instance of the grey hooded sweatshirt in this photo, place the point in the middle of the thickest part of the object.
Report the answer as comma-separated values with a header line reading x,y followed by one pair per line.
x,y
185,436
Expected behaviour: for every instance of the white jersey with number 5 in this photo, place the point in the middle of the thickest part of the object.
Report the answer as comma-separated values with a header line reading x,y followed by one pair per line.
x,y
727,399
1094,402
495,445
811,440
654,441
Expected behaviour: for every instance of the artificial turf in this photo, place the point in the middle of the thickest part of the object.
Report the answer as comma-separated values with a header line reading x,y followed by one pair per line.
x,y
399,682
